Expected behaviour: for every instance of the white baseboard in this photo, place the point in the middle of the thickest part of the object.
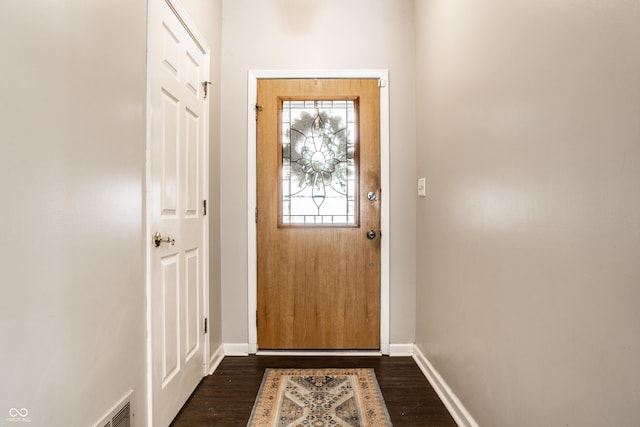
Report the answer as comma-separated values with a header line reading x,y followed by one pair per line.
x,y
236,349
245,349
319,353
396,350
457,410
216,358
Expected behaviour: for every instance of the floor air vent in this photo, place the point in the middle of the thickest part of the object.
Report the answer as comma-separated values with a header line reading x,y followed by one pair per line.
x,y
120,415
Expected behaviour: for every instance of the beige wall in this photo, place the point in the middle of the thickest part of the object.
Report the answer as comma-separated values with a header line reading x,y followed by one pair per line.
x,y
529,240
72,145
72,293
308,34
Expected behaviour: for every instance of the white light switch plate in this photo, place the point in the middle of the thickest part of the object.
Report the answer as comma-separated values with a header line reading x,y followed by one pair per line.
x,y
422,187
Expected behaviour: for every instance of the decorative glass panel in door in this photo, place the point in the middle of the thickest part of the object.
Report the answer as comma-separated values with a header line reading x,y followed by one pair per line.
x,y
319,163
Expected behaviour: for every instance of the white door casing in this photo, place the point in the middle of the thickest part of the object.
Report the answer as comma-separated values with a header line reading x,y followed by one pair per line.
x,y
177,173
252,83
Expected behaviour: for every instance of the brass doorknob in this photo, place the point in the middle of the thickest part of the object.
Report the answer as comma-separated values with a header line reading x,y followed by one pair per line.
x,y
158,239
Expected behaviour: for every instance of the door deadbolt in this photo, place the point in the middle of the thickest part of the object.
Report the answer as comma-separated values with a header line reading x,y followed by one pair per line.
x,y
371,234
371,195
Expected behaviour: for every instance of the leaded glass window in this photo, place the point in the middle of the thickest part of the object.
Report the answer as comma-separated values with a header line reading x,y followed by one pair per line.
x,y
319,162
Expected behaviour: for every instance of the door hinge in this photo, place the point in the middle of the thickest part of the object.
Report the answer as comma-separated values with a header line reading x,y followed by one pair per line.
x,y
205,88
256,319
204,208
256,215
258,110
205,327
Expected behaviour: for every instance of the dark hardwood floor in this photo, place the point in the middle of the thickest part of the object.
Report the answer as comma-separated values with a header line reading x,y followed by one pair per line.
x,y
225,399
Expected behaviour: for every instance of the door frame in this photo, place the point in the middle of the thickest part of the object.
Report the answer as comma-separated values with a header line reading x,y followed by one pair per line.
x,y
252,252
182,15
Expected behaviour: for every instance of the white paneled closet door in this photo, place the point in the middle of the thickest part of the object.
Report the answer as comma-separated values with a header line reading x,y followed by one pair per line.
x,y
177,148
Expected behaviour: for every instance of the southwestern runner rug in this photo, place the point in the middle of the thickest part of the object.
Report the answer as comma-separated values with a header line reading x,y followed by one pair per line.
x,y
319,398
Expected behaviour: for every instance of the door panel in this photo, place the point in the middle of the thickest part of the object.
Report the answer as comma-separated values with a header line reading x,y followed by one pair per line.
x,y
170,331
318,273
192,302
168,152
178,129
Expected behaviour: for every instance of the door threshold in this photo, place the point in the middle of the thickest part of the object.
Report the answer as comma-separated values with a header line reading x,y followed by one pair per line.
x,y
318,353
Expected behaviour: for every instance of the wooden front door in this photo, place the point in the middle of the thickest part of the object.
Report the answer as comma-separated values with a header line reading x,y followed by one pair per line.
x,y
318,214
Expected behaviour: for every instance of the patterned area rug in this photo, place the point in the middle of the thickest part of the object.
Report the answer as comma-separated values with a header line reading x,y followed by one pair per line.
x,y
319,398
